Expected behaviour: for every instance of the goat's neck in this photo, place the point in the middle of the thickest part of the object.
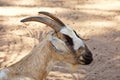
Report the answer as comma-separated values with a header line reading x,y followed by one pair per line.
x,y
37,64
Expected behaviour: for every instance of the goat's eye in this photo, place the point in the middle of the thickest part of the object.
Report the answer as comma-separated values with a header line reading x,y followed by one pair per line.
x,y
69,40
67,43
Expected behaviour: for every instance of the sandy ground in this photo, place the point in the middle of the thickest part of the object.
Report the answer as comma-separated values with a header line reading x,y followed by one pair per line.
x,y
96,20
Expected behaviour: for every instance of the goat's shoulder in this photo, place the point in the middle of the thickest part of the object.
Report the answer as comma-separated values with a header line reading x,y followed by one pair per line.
x,y
4,73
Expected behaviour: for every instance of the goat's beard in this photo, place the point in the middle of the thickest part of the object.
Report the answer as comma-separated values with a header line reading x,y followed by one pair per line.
x,y
72,68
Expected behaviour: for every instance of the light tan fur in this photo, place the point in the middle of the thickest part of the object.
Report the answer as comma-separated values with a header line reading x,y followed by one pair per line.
x,y
62,45
38,63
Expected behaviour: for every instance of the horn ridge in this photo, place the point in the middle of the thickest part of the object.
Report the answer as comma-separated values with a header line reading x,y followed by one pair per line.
x,y
53,17
44,20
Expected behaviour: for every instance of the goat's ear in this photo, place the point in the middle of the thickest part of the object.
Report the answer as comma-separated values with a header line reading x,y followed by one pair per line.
x,y
58,44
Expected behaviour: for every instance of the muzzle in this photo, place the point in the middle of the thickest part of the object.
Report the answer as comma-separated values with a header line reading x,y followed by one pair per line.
x,y
87,58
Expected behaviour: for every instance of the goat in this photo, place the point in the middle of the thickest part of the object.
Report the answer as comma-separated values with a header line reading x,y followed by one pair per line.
x,y
63,44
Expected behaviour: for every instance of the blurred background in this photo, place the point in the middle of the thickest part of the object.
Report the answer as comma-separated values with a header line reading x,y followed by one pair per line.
x,y
95,20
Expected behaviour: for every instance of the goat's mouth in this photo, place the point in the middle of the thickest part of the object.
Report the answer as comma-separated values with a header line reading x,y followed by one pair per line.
x,y
85,61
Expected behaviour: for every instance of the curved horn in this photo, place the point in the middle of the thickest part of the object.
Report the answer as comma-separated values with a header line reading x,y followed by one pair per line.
x,y
44,20
53,17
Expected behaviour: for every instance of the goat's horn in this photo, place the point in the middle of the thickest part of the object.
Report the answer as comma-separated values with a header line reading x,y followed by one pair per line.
x,y
44,20
53,17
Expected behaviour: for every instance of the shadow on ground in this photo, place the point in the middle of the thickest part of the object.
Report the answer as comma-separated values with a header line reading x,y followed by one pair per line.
x,y
99,25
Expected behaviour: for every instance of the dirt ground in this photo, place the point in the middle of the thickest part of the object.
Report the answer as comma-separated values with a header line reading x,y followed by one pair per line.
x,y
96,20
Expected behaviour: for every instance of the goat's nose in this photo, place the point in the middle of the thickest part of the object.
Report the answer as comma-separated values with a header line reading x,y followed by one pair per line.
x,y
87,58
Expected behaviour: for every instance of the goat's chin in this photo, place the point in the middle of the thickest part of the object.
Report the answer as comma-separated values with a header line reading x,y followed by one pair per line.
x,y
72,67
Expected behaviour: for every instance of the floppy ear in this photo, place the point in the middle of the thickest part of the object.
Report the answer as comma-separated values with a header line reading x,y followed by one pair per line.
x,y
58,44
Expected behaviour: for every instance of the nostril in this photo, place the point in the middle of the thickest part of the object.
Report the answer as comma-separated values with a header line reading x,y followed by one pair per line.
x,y
87,58
88,54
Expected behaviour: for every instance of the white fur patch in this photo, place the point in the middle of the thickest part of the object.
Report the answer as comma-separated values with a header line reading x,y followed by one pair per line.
x,y
76,40
58,44
3,73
